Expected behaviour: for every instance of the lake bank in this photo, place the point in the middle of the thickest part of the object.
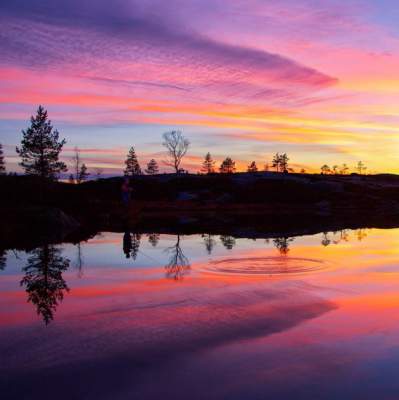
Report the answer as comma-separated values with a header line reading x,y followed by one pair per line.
x,y
253,205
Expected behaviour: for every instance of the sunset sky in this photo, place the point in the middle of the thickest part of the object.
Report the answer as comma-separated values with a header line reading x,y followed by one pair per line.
x,y
241,78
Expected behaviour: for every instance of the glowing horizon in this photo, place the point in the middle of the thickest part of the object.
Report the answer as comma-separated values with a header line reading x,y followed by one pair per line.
x,y
245,79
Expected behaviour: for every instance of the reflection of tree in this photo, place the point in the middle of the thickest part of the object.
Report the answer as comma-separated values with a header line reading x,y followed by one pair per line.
x,y
210,243
131,244
136,237
228,241
3,259
361,234
43,280
282,244
178,265
325,239
79,260
153,239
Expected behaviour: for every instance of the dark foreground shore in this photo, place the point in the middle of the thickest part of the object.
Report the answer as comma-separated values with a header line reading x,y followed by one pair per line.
x,y
243,205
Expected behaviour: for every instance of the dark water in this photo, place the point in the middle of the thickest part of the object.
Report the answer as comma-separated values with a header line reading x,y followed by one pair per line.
x,y
202,317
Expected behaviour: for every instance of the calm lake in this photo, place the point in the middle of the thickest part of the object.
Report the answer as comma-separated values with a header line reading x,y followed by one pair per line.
x,y
139,316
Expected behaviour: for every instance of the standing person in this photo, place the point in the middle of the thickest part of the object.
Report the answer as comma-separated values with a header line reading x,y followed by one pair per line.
x,y
126,190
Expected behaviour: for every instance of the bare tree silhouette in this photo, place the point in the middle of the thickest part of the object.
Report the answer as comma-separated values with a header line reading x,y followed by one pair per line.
x,y
178,265
177,146
43,280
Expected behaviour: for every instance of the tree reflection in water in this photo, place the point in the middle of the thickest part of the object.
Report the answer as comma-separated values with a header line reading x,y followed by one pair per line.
x,y
210,242
228,241
178,265
153,239
3,259
131,244
283,245
43,280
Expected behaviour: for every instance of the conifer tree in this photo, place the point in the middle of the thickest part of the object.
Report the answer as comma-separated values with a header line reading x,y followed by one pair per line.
x,y
325,169
132,164
228,166
2,163
284,162
252,167
83,174
208,165
152,167
41,147
276,162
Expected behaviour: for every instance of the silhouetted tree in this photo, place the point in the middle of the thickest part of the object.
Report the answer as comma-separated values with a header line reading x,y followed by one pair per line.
x,y
71,179
41,147
266,167
284,162
152,167
2,163
228,241
344,169
228,166
335,169
360,168
80,168
252,167
83,173
153,238
208,166
132,164
282,244
280,162
176,145
276,162
210,243
178,265
43,280
325,169
303,171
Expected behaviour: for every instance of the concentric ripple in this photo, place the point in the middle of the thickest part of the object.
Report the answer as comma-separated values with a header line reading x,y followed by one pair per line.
x,y
266,266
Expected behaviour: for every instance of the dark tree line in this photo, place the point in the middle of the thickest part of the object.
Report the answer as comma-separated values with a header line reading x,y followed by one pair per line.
x,y
41,147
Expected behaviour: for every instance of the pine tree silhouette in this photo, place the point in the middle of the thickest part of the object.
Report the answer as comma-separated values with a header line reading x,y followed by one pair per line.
x,y
228,166
208,165
132,164
252,167
152,167
41,147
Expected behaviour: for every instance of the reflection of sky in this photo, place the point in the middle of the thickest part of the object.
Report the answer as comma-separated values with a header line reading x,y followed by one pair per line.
x,y
241,78
327,331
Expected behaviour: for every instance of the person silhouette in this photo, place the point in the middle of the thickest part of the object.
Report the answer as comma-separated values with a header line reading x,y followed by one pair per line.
x,y
126,191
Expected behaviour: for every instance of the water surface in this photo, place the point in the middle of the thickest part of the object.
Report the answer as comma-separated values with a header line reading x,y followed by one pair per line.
x,y
128,315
